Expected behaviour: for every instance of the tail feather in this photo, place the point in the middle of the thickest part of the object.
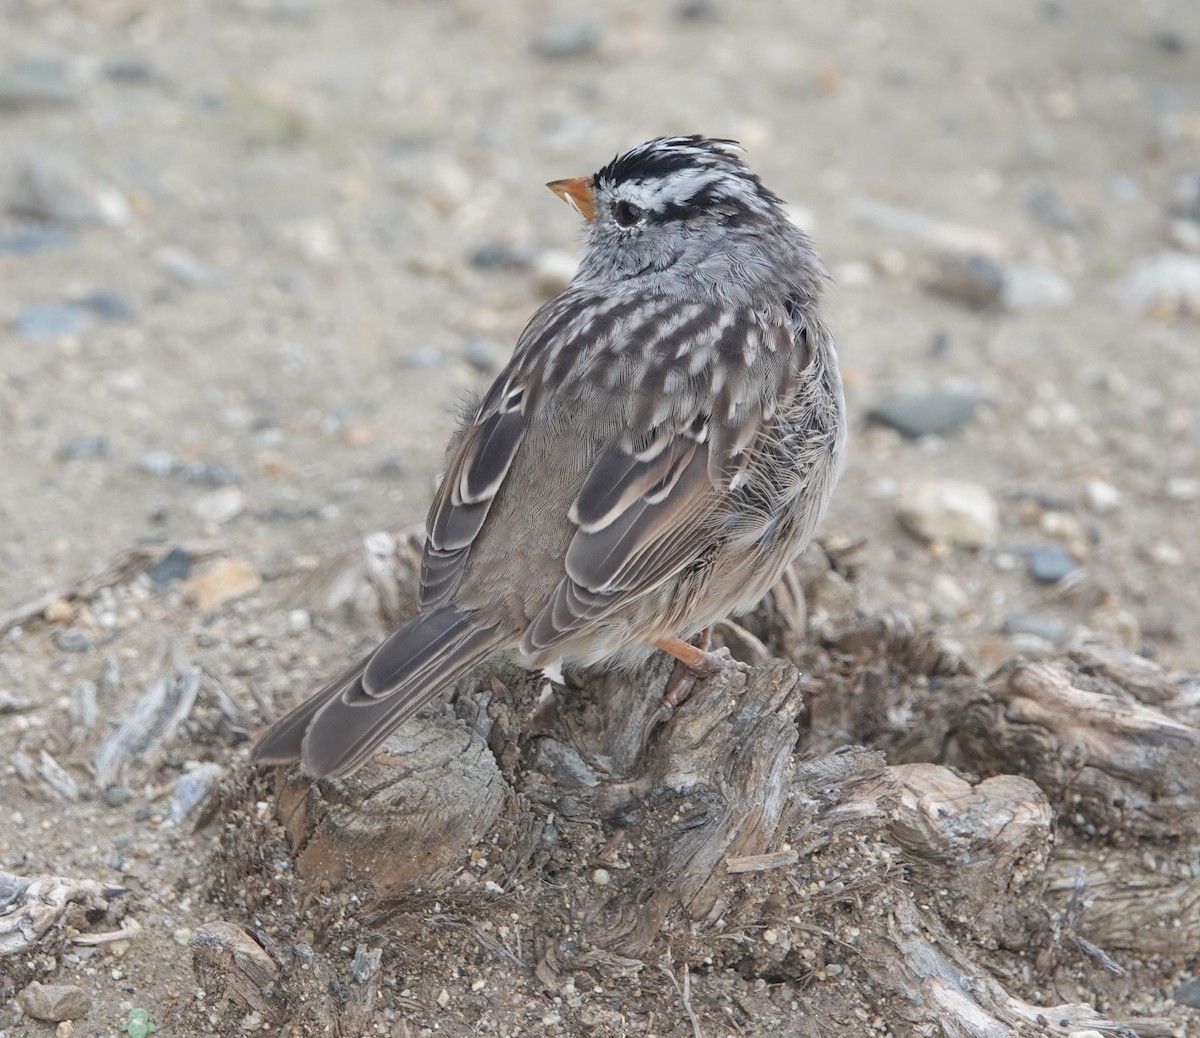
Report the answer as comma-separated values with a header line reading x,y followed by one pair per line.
x,y
335,731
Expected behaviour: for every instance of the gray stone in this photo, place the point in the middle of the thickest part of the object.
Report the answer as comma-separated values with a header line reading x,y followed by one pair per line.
x,y
175,565
1048,207
130,70
56,1002
980,282
83,447
1050,565
35,83
73,639
107,305
191,789
116,796
55,189
1186,201
1188,993
924,414
33,240
185,268
1039,626
975,280
497,255
562,41
50,321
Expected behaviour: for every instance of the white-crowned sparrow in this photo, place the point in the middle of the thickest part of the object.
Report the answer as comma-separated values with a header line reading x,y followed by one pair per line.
x,y
660,446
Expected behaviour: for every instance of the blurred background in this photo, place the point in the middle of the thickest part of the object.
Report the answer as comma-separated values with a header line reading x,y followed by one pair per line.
x,y
255,253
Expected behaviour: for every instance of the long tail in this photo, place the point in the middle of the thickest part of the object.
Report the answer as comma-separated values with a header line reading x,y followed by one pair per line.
x,y
335,731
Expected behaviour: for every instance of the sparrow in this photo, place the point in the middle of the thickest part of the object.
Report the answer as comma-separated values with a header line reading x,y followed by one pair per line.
x,y
661,445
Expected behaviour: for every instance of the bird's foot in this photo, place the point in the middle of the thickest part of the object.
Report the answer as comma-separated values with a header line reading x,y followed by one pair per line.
x,y
696,662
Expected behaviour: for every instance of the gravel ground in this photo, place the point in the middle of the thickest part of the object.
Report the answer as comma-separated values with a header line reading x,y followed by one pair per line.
x,y
254,254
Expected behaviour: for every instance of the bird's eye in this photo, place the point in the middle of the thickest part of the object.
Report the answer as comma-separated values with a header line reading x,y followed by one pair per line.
x,y
627,214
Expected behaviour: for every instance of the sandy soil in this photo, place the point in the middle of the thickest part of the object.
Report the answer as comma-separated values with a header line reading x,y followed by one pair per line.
x,y
327,224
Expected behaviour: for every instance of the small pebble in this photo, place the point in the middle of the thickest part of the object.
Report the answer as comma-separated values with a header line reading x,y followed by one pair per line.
x,y
36,239
60,611
974,280
1035,288
1165,285
924,414
1050,565
1119,625
175,565
50,321
299,621
55,1002
1186,202
35,83
108,306
1101,496
84,447
1183,488
1049,208
184,267
54,189
1165,554
130,70
219,506
191,788
115,796
561,41
1042,627
73,639
947,597
221,582
601,877
949,511
497,255
1188,994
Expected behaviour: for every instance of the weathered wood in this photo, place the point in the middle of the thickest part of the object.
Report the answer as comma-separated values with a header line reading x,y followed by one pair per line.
x,y
410,817
231,965
41,914
1141,899
1109,763
584,830
979,851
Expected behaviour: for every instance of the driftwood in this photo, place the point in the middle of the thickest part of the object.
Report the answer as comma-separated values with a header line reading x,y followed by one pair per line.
x,y
39,915
582,839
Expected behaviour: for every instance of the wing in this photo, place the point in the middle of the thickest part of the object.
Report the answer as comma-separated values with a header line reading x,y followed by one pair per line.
x,y
683,389
650,505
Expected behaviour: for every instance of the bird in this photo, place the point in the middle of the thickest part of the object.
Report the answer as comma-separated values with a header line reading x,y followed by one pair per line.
x,y
661,445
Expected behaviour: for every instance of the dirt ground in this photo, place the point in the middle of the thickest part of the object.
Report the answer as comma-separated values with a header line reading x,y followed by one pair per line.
x,y
281,241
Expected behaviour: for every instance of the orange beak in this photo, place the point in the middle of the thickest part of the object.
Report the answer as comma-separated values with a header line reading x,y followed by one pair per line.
x,y
577,193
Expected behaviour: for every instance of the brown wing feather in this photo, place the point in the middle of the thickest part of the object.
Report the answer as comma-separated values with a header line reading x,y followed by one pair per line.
x,y
649,506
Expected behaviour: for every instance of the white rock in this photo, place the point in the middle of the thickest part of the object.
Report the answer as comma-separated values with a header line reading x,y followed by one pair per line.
x,y
1183,488
947,597
1034,288
950,511
1101,495
219,506
1166,282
